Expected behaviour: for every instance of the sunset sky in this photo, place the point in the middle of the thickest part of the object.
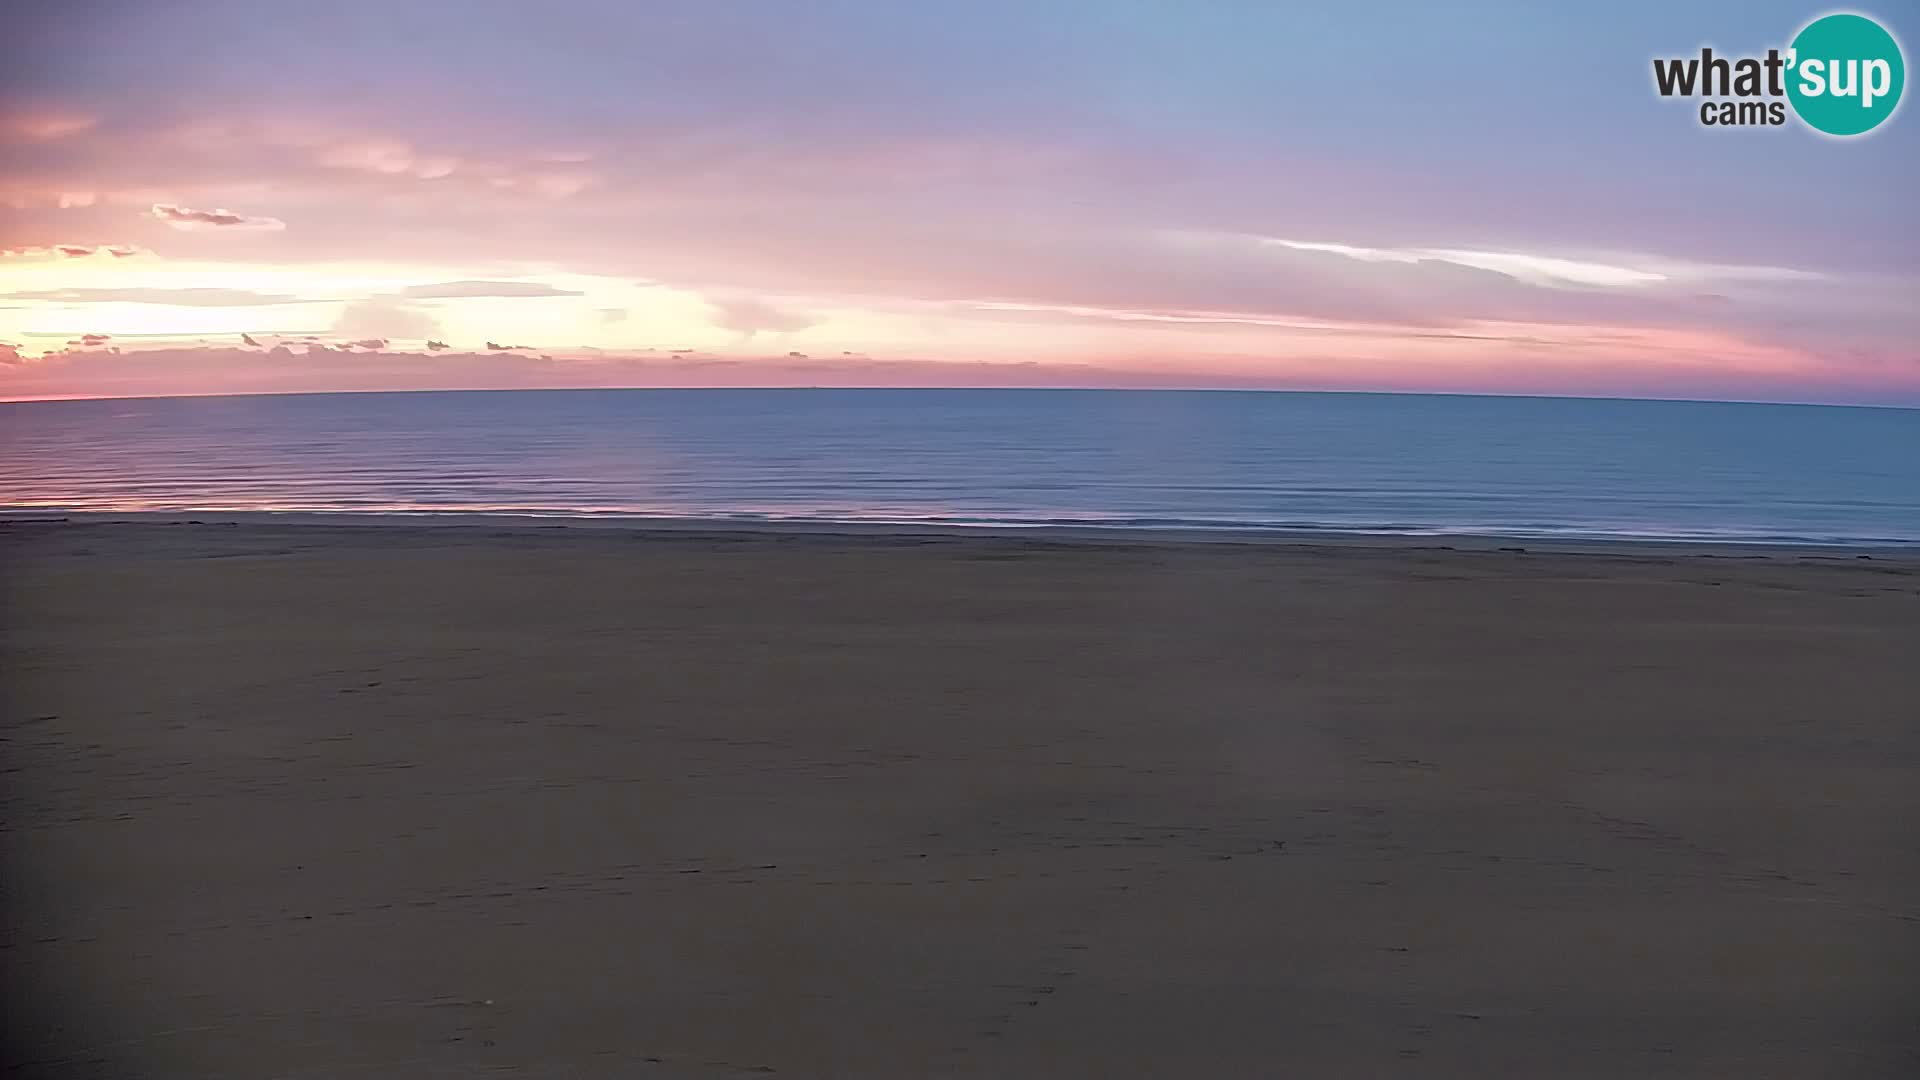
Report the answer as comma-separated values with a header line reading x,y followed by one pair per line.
x,y
1414,196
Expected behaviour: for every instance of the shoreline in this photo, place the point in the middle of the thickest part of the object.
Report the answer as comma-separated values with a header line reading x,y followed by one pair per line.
x,y
1085,534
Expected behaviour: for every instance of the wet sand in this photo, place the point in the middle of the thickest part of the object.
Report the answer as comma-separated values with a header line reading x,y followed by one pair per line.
x,y
303,800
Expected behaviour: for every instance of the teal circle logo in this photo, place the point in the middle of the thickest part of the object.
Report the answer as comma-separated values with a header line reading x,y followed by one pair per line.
x,y
1845,74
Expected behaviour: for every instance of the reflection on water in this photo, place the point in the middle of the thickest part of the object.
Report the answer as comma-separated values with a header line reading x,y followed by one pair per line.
x,y
1512,466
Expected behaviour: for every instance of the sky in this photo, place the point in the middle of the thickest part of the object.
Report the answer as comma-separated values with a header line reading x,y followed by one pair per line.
x,y
211,197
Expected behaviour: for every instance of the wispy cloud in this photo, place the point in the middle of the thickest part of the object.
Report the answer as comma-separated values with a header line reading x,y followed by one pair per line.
x,y
181,217
448,290
197,297
71,251
45,124
1554,270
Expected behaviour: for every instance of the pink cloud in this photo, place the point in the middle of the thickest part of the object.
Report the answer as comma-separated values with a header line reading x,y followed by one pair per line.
x,y
72,251
45,124
181,217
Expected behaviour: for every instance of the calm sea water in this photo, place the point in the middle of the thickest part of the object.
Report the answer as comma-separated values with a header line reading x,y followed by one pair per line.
x,y
1524,467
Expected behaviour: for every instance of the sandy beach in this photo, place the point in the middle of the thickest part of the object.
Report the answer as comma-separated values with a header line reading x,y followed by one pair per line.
x,y
302,800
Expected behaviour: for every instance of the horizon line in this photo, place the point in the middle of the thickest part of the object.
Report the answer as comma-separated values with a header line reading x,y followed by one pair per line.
x,y
50,399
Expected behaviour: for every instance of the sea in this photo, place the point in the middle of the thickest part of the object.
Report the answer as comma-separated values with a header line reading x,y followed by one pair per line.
x,y
1523,467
